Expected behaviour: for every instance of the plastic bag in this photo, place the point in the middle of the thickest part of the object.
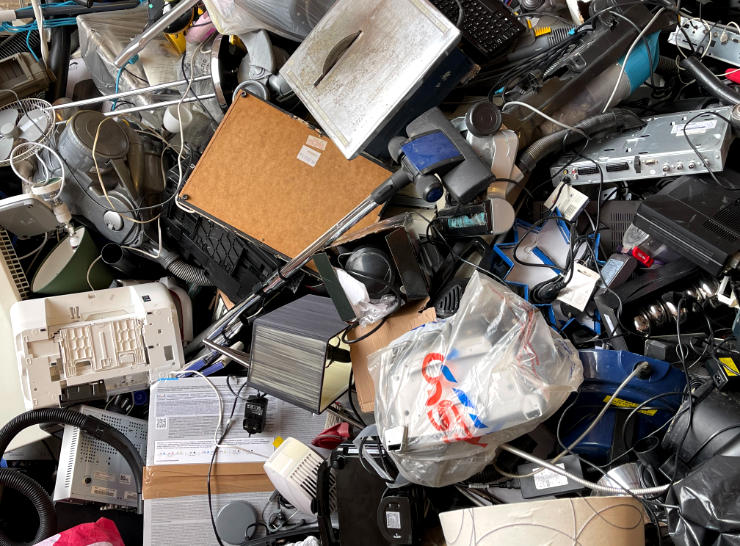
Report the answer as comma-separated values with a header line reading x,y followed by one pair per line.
x,y
367,311
707,505
292,19
448,393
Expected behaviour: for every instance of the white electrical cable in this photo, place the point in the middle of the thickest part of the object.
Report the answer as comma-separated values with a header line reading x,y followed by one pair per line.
x,y
596,487
638,369
30,146
627,56
39,15
541,113
37,249
159,245
89,268
217,432
182,131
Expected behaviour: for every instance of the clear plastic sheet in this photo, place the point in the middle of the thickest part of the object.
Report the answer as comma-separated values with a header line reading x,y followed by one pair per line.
x,y
292,19
455,390
367,311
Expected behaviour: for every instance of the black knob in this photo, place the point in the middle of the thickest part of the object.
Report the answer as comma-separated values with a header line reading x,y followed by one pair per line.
x,y
483,119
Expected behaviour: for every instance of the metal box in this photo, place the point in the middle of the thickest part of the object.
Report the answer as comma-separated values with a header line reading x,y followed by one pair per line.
x,y
363,61
290,357
92,471
658,149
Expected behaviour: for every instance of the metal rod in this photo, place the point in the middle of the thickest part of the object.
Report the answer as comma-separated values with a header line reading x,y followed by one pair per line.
x,y
122,94
138,43
75,10
276,280
158,105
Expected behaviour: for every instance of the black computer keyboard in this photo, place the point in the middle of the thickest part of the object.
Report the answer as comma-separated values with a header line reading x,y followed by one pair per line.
x,y
487,26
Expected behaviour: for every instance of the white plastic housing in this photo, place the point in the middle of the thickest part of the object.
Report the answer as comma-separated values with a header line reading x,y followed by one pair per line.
x,y
293,469
126,337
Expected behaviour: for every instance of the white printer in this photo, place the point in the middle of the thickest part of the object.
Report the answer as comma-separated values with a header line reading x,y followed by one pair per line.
x,y
80,347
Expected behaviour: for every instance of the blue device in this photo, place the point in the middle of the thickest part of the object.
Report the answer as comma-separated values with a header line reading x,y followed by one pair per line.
x,y
603,371
427,153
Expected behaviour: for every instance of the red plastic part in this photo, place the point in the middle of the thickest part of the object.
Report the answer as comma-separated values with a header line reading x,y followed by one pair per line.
x,y
641,257
332,436
733,74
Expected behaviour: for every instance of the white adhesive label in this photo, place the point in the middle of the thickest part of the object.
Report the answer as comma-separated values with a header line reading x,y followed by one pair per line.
x,y
309,156
578,291
315,142
393,520
103,476
547,479
103,491
694,128
569,201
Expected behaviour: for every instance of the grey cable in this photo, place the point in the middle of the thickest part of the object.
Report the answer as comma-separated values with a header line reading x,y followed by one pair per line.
x,y
596,487
585,433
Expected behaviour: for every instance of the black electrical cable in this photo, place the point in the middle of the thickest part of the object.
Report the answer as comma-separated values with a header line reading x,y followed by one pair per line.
x,y
689,424
231,389
642,406
361,456
363,336
191,90
448,247
700,155
520,183
647,503
237,397
709,440
351,401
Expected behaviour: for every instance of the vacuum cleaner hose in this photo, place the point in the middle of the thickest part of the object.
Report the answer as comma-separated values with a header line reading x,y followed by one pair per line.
x,y
709,81
31,489
561,140
188,273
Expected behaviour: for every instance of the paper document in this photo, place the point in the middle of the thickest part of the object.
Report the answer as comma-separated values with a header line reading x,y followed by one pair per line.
x,y
184,414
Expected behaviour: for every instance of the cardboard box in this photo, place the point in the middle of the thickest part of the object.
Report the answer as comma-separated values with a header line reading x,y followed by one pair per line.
x,y
395,326
276,180
393,236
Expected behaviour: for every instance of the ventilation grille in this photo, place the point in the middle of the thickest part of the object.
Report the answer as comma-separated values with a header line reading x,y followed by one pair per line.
x,y
17,44
720,231
13,265
96,451
305,474
69,473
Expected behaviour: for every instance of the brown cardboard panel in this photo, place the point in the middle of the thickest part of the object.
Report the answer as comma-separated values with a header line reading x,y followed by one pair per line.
x,y
181,480
251,177
395,326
